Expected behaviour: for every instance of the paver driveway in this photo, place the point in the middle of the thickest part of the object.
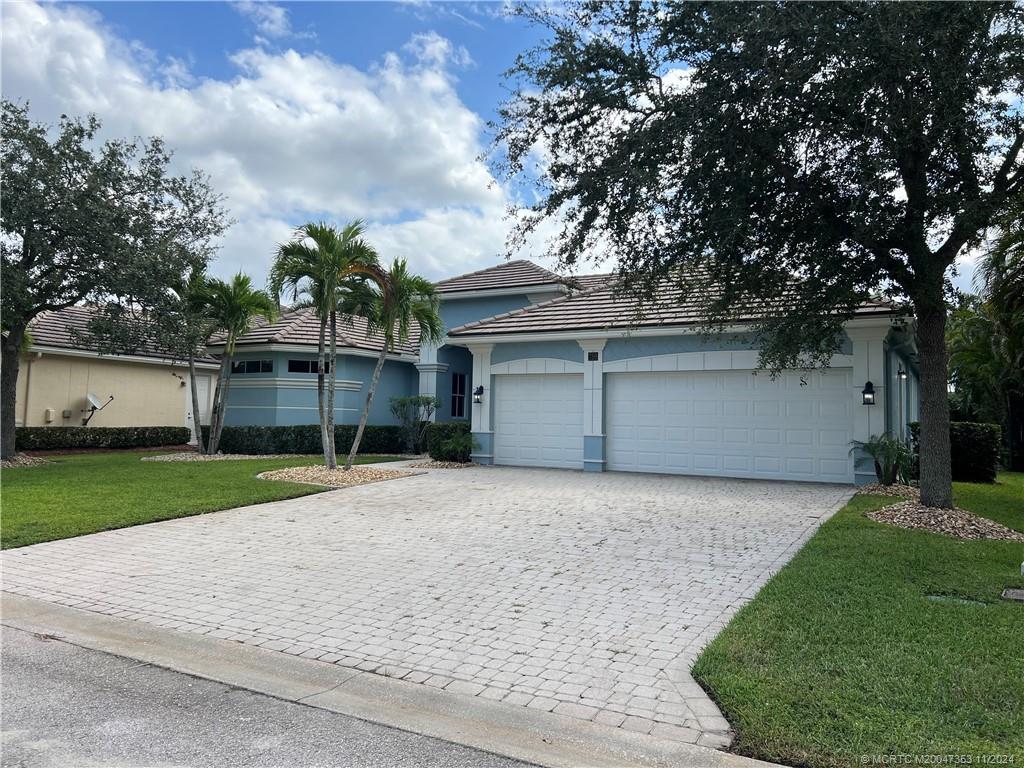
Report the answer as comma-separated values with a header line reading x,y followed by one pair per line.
x,y
589,595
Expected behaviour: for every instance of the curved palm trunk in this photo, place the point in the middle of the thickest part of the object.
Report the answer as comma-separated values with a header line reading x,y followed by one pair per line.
x,y
375,379
332,455
320,391
197,410
219,393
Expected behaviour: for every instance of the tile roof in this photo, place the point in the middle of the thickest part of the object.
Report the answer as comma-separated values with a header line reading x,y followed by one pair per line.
x,y
601,308
57,329
302,326
509,274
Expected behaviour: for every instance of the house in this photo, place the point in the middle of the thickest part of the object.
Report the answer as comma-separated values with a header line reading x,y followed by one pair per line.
x,y
60,370
561,372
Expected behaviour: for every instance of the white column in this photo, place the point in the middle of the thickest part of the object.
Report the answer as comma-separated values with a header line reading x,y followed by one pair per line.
x,y
429,368
480,421
593,404
868,365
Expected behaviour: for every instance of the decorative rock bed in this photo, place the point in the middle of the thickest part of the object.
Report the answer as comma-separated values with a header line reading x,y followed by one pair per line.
x,y
23,460
896,489
193,456
442,465
334,478
958,523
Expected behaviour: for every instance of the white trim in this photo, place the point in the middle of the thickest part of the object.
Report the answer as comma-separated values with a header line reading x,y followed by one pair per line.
x,y
42,349
281,382
740,360
285,407
309,349
875,321
520,290
529,365
431,367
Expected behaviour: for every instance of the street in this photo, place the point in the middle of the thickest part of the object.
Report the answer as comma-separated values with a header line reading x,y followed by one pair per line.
x,y
64,706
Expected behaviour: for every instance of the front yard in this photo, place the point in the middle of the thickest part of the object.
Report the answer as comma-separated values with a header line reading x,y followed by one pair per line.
x,y
879,641
93,492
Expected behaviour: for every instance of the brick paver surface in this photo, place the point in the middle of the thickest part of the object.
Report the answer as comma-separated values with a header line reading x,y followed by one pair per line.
x,y
587,595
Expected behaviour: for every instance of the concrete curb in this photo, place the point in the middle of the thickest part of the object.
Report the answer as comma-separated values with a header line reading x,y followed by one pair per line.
x,y
536,737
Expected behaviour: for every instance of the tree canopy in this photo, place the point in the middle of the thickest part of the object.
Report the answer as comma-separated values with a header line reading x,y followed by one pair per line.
x,y
826,152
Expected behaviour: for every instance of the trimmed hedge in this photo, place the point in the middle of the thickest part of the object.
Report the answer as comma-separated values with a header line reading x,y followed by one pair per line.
x,y
974,450
305,438
440,433
64,438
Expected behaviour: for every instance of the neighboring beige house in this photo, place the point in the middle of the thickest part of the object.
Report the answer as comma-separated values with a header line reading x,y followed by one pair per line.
x,y
58,374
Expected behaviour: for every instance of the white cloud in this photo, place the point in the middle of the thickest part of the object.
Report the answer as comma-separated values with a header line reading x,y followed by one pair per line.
x,y
270,20
289,137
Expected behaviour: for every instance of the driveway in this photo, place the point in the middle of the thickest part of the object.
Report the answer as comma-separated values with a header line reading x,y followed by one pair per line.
x,y
589,595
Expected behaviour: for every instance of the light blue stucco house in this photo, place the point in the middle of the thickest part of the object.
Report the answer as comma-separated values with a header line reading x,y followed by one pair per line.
x,y
556,372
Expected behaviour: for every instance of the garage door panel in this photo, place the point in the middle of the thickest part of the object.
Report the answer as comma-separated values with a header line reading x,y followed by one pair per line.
x,y
539,420
731,423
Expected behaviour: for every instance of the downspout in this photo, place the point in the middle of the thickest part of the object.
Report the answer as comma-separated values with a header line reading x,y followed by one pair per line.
x,y
28,386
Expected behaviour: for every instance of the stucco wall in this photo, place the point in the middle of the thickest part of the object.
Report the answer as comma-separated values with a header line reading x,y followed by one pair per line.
x,y
279,398
144,394
456,312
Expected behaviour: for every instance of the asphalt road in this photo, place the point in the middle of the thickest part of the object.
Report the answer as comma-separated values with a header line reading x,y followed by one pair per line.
x,y
64,706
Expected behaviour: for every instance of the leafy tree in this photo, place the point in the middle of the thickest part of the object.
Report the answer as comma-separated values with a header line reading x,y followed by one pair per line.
x,y
89,224
820,152
315,267
403,301
986,339
234,307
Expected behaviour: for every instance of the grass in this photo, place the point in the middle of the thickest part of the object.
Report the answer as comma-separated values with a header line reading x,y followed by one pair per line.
x,y
843,654
92,492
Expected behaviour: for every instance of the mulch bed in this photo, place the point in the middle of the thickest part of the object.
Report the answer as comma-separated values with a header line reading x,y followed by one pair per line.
x,y
23,460
334,478
958,523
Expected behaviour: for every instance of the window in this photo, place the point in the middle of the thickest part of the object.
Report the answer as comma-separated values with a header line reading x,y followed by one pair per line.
x,y
307,366
458,395
252,366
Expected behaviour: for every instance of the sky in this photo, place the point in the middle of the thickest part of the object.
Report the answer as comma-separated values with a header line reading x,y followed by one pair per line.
x,y
300,112
296,111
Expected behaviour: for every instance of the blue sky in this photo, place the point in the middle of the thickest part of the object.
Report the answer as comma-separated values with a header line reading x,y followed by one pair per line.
x,y
297,111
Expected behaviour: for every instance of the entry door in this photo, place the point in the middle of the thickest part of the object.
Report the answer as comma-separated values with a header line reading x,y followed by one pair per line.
x,y
538,420
203,384
732,424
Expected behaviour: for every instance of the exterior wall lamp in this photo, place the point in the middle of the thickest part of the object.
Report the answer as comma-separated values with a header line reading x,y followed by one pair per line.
x,y
478,394
868,393
901,374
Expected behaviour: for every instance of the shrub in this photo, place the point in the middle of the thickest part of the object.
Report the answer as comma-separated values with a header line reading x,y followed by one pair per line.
x,y
893,457
305,438
414,414
457,448
439,434
64,438
974,450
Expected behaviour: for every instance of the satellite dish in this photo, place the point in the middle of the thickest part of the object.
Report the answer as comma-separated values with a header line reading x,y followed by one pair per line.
x,y
94,401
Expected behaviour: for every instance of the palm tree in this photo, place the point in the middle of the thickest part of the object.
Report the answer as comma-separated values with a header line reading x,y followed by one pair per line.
x,y
407,299
191,297
234,306
313,267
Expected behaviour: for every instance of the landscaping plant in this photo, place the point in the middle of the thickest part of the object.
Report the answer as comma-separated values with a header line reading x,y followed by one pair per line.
x,y
893,457
414,414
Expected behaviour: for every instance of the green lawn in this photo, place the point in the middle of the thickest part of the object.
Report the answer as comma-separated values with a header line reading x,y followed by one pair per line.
x,y
93,492
843,653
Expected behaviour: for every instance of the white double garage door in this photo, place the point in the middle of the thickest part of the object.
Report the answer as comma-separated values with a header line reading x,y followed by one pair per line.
x,y
728,423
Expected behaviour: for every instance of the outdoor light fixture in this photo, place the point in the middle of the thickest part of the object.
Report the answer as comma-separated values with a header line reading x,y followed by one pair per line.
x,y
868,393
901,374
478,394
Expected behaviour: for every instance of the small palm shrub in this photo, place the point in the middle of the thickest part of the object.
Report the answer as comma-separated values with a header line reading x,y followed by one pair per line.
x,y
893,457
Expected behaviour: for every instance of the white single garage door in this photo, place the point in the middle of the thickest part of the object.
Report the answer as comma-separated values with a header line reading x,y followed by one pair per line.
x,y
731,424
538,420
